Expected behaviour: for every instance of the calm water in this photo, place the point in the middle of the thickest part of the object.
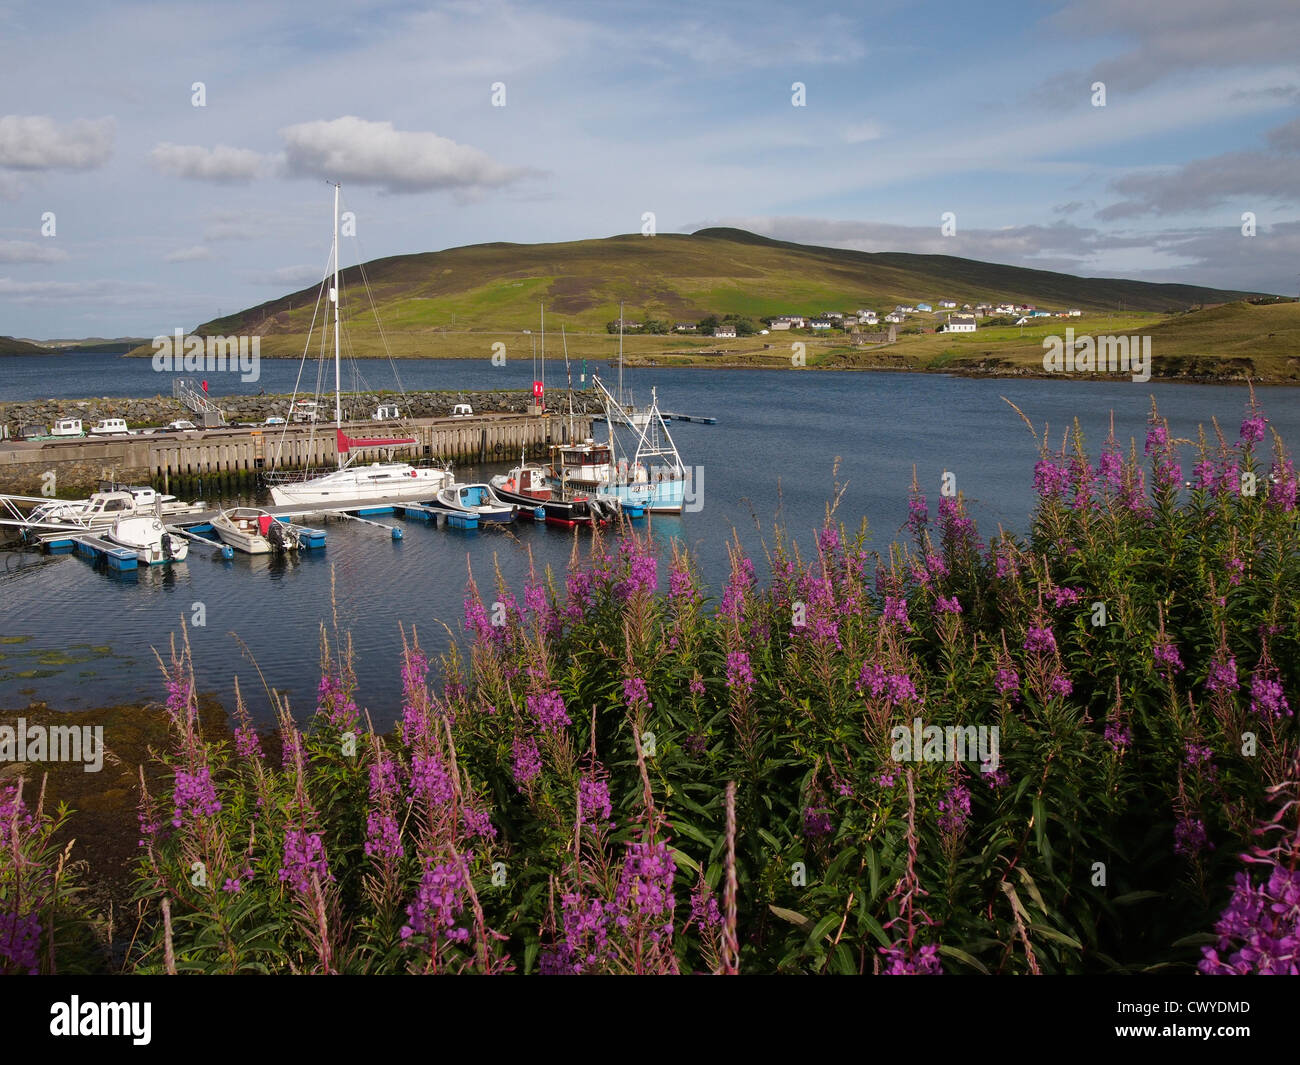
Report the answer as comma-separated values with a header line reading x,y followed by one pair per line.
x,y
75,637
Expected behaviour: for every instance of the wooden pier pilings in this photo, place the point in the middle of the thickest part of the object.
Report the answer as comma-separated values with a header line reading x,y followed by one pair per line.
x,y
236,458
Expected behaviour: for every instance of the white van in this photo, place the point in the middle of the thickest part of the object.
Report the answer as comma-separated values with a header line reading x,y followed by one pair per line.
x,y
462,410
67,427
110,427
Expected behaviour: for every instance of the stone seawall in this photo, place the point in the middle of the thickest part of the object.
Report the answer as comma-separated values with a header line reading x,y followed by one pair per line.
x,y
160,410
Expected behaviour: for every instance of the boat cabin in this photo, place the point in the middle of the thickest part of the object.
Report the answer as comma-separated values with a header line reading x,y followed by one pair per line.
x,y
67,427
586,463
304,410
386,413
528,480
34,432
110,427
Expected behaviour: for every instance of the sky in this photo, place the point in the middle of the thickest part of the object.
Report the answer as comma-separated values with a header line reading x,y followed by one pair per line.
x,y
163,163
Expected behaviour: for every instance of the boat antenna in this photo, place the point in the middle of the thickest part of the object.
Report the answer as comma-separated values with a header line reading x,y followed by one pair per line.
x,y
338,403
568,373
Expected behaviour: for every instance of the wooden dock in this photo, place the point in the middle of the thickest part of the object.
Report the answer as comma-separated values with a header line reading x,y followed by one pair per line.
x,y
174,461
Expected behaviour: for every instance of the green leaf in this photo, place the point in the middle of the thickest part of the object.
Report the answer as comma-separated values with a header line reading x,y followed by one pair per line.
x,y
964,958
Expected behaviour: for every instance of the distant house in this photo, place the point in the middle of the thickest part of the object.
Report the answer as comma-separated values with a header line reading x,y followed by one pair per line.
x,y
725,332
870,318
833,314
923,308
984,307
781,323
960,323
1022,321
894,317
848,320
1006,308
1074,312
627,323
949,304
1040,314
685,327
904,309
821,323
788,321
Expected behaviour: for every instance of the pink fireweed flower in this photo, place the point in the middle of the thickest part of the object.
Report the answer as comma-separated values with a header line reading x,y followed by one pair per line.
x,y
645,889
548,711
1167,660
948,605
1117,735
596,806
1065,596
1252,426
817,822
304,854
1060,685
896,612
696,686
887,779
636,694
1267,699
1259,931
681,589
430,780
1110,468
334,702
438,902
740,677
581,596
704,909
1222,676
194,795
1041,640
918,514
1007,682
528,761
477,824
247,744
899,961
1283,487
1190,837
954,809
642,570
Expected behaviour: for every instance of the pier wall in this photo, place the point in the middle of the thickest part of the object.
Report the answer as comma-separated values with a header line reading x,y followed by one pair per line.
x,y
236,458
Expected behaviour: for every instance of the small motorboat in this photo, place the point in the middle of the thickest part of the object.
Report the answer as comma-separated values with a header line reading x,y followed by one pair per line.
x,y
105,507
478,500
253,531
149,539
529,486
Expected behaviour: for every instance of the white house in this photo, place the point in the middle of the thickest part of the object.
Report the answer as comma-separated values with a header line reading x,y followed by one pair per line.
x,y
1006,308
833,314
725,332
869,318
1040,314
902,309
780,323
820,323
947,304
960,323
685,327
1075,313
894,317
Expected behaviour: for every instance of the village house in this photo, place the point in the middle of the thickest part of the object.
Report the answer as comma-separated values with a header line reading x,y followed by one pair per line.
x,y
626,324
1075,313
949,304
960,323
725,332
780,323
904,309
685,327
821,323
1005,308
923,308
894,317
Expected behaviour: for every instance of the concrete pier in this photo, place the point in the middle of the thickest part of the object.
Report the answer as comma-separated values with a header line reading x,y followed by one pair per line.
x,y
237,457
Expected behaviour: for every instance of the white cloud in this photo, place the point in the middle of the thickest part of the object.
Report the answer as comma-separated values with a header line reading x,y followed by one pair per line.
x,y
26,251
861,132
101,290
38,142
188,255
354,150
223,165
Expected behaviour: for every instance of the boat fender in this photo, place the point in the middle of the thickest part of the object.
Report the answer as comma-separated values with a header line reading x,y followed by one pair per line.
x,y
539,513
496,449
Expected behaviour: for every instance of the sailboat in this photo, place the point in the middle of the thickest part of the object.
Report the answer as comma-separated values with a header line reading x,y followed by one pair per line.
x,y
352,481
626,413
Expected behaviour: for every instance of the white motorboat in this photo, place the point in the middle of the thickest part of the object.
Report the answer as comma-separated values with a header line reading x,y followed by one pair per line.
x,y
253,531
387,481
104,508
478,500
149,539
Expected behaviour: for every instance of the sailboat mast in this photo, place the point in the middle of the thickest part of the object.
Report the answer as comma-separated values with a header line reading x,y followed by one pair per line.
x,y
620,351
338,403
542,307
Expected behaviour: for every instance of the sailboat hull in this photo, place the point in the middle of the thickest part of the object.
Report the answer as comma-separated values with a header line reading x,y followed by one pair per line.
x,y
388,481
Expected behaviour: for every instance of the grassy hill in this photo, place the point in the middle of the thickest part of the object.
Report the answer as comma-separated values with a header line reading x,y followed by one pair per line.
x,y
457,303
13,346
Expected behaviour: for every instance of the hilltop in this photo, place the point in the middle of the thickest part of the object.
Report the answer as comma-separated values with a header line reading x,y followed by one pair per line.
x,y
459,302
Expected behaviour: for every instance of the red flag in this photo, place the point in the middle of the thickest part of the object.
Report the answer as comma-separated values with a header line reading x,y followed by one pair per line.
x,y
205,386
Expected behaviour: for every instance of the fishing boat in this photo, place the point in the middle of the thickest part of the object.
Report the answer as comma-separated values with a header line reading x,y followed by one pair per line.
x,y
149,539
478,500
388,480
253,531
654,477
531,488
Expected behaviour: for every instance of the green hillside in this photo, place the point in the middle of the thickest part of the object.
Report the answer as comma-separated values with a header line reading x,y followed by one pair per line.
x,y
497,287
12,346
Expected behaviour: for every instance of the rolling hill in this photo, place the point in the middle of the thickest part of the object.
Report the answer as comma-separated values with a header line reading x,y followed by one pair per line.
x,y
497,287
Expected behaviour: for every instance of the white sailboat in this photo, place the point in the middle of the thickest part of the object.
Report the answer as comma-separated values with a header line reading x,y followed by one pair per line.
x,y
389,481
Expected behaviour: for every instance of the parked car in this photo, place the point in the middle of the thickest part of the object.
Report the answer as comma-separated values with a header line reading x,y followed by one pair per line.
x,y
181,426
462,410
274,420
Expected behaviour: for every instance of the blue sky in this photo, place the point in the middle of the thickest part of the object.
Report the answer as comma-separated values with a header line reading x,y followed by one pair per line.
x,y
166,213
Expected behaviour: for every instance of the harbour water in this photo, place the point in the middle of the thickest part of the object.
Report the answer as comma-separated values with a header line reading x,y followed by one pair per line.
x,y
76,637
